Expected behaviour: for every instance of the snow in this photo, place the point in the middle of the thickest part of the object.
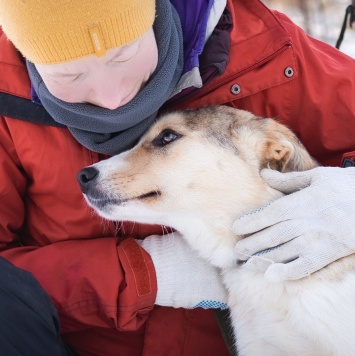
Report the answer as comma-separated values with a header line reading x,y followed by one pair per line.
x,y
325,20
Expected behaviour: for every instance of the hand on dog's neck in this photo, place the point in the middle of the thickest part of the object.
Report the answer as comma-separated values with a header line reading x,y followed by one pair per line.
x,y
211,234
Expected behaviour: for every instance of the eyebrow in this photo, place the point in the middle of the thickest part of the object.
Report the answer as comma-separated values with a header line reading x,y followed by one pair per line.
x,y
121,49
117,54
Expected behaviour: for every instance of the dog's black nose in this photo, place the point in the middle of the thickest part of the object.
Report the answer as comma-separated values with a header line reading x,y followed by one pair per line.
x,y
86,177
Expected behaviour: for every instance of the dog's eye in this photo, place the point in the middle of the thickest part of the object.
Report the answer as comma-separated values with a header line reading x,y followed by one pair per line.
x,y
165,138
168,136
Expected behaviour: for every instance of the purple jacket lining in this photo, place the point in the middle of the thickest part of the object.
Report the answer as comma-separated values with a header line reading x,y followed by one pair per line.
x,y
193,17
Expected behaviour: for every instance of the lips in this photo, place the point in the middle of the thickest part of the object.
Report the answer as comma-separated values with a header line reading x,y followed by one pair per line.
x,y
102,202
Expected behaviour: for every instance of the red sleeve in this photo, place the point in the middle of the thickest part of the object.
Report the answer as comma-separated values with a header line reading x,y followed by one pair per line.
x,y
105,282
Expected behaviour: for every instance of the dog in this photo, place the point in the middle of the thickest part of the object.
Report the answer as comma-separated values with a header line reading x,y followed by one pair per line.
x,y
197,171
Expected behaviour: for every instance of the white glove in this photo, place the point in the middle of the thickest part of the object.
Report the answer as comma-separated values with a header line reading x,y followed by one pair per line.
x,y
184,279
314,225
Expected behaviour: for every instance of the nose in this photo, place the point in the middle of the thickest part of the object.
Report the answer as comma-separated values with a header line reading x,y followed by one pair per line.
x,y
107,96
86,178
107,103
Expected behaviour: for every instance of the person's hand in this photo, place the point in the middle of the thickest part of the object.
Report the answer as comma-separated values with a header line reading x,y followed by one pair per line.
x,y
184,279
312,227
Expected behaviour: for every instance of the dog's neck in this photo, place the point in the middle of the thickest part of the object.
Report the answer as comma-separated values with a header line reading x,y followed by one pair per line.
x,y
211,234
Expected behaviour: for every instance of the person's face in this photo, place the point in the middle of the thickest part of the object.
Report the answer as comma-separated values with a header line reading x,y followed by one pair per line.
x,y
110,81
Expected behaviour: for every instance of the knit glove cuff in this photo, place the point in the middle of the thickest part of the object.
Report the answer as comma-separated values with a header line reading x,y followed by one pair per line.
x,y
184,279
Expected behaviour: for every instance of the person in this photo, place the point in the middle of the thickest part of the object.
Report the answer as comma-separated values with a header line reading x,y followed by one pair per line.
x,y
81,81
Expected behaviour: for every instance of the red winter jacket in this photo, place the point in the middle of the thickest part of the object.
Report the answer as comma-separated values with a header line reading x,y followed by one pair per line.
x,y
102,283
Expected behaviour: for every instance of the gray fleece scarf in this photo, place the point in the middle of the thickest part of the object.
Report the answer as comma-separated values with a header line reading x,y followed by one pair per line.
x,y
113,131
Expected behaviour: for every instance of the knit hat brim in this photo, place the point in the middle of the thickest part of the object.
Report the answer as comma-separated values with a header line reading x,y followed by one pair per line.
x,y
55,31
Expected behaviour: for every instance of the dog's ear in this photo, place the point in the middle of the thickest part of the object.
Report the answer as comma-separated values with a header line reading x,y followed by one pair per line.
x,y
276,155
282,150
268,143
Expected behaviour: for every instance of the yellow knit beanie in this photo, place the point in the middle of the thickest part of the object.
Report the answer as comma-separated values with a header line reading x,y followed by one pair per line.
x,y
54,31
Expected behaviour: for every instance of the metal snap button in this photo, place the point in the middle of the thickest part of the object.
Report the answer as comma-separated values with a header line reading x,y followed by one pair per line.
x,y
235,89
289,72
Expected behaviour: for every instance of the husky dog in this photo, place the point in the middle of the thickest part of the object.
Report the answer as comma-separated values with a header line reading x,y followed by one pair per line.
x,y
197,171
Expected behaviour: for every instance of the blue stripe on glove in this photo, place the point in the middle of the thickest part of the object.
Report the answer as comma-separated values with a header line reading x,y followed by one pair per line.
x,y
211,304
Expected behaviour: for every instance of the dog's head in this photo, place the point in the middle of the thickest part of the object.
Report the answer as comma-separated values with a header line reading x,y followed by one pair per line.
x,y
194,168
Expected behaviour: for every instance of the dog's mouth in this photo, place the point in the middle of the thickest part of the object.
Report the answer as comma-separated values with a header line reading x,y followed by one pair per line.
x,y
152,194
101,202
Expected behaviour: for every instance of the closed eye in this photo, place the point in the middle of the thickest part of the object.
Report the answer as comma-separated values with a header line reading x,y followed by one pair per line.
x,y
166,137
67,78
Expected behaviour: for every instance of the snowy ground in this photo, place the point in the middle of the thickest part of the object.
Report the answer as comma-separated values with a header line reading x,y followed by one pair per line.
x,y
326,25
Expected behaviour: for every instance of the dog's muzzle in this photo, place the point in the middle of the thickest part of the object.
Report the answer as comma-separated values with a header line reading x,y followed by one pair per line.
x,y
95,194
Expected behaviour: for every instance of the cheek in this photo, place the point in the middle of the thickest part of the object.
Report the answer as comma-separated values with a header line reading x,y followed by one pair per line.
x,y
142,67
147,62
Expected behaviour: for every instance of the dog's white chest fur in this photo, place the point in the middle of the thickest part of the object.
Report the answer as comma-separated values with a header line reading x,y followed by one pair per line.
x,y
310,317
